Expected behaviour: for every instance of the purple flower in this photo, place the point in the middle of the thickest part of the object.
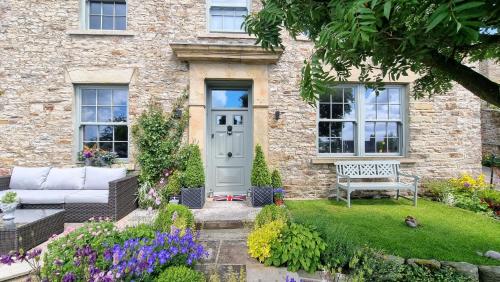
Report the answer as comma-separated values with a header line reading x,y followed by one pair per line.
x,y
69,277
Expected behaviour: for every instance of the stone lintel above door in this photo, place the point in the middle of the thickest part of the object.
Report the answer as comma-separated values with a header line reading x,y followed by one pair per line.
x,y
228,53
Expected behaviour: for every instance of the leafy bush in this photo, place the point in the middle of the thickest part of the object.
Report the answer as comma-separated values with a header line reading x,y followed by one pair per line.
x,y
194,176
180,274
340,249
173,186
276,179
260,172
490,160
271,213
9,198
261,239
158,137
439,189
491,195
469,201
139,231
298,247
177,215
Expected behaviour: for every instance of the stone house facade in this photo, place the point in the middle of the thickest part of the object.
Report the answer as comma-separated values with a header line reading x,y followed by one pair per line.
x,y
79,71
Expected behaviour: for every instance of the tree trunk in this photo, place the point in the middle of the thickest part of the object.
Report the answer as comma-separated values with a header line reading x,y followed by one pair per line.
x,y
473,81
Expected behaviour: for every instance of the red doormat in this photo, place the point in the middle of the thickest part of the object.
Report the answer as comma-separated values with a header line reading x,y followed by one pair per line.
x,y
229,198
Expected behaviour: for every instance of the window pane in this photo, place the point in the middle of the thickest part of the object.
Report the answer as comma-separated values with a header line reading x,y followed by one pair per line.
x,y
392,129
394,112
88,97
382,112
119,114
324,110
336,129
380,137
394,96
121,149
370,137
238,21
104,97
221,120
95,8
370,112
324,145
349,95
107,8
336,144
107,23
120,9
324,129
90,144
120,23
121,133
370,97
216,23
229,99
95,22
90,133
105,133
324,97
237,120
120,97
229,23
337,96
106,146
393,145
349,111
337,111
104,114
382,97
348,137
88,114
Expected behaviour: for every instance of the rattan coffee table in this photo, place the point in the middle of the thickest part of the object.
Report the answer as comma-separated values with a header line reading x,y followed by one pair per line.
x,y
29,228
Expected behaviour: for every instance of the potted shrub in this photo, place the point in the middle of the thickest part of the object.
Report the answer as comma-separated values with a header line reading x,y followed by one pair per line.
x,y
193,180
278,192
8,205
262,192
172,190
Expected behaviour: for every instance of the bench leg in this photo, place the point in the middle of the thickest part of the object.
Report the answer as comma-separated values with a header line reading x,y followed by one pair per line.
x,y
415,197
348,198
397,195
338,191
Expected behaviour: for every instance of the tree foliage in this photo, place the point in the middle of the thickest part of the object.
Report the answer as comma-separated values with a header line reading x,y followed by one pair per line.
x,y
388,38
260,172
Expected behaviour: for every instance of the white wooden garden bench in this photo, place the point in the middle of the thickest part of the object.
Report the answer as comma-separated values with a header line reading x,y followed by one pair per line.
x,y
363,170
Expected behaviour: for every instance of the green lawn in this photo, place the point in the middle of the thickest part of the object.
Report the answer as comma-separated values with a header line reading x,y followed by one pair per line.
x,y
447,233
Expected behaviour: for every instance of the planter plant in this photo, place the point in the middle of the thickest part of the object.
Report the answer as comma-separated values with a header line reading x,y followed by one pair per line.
x,y
262,192
172,190
93,156
8,205
278,191
193,180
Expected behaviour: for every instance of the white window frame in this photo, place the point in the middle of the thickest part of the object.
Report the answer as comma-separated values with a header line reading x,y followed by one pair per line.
x,y
78,115
359,124
210,4
85,15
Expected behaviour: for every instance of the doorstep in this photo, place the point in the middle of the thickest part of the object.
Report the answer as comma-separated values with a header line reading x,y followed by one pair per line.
x,y
225,215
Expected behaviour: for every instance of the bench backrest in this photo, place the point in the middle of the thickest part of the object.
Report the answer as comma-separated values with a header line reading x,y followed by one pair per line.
x,y
367,169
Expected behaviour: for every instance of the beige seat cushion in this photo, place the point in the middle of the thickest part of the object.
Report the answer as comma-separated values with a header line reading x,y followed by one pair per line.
x,y
65,179
88,197
41,196
98,178
28,178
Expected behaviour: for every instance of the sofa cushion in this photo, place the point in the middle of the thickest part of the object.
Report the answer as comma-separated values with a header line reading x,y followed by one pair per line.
x,y
28,178
98,178
88,197
42,196
65,179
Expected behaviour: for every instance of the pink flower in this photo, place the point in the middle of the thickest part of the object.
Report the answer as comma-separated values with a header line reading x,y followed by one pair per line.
x,y
158,201
150,209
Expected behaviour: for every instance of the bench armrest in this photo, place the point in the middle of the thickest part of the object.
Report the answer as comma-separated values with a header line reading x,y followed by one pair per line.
x,y
344,176
416,178
123,196
4,182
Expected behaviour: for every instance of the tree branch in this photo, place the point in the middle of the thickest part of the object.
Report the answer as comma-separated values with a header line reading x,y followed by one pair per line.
x,y
473,81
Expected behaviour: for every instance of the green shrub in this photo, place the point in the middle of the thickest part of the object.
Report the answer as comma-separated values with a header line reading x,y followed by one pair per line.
x,y
491,195
261,239
469,201
340,248
490,161
173,186
180,274
271,213
276,179
9,198
142,230
194,176
439,189
260,172
298,247
158,137
165,219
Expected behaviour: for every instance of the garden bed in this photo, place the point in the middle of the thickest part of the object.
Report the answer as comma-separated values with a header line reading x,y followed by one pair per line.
x,y
447,233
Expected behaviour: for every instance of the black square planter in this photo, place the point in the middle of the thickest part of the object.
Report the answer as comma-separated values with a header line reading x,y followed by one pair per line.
x,y
193,198
262,196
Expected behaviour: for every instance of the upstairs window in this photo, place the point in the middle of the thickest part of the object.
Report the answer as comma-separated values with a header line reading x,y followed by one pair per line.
x,y
107,15
227,15
354,120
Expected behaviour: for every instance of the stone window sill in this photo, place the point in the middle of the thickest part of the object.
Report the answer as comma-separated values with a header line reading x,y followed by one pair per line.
x,y
102,32
332,160
221,35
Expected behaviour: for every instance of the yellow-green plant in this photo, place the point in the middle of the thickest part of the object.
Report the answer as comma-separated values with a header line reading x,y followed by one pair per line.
x,y
467,182
260,172
271,213
261,239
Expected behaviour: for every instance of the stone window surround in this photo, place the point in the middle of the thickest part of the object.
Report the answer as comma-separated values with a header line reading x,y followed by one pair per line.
x,y
207,15
85,31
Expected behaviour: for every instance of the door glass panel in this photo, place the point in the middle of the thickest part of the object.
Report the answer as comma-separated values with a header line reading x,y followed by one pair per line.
x,y
221,120
238,120
229,99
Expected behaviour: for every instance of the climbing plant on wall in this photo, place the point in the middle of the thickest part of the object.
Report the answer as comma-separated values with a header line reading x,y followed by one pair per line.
x,y
158,137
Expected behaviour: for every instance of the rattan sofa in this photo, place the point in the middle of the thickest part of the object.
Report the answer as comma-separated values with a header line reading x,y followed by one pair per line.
x,y
121,194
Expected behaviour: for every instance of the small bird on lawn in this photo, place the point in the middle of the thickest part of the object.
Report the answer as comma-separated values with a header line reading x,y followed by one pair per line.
x,y
411,222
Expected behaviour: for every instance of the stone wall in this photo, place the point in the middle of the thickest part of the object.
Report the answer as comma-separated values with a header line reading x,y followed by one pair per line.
x,y
490,115
40,43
